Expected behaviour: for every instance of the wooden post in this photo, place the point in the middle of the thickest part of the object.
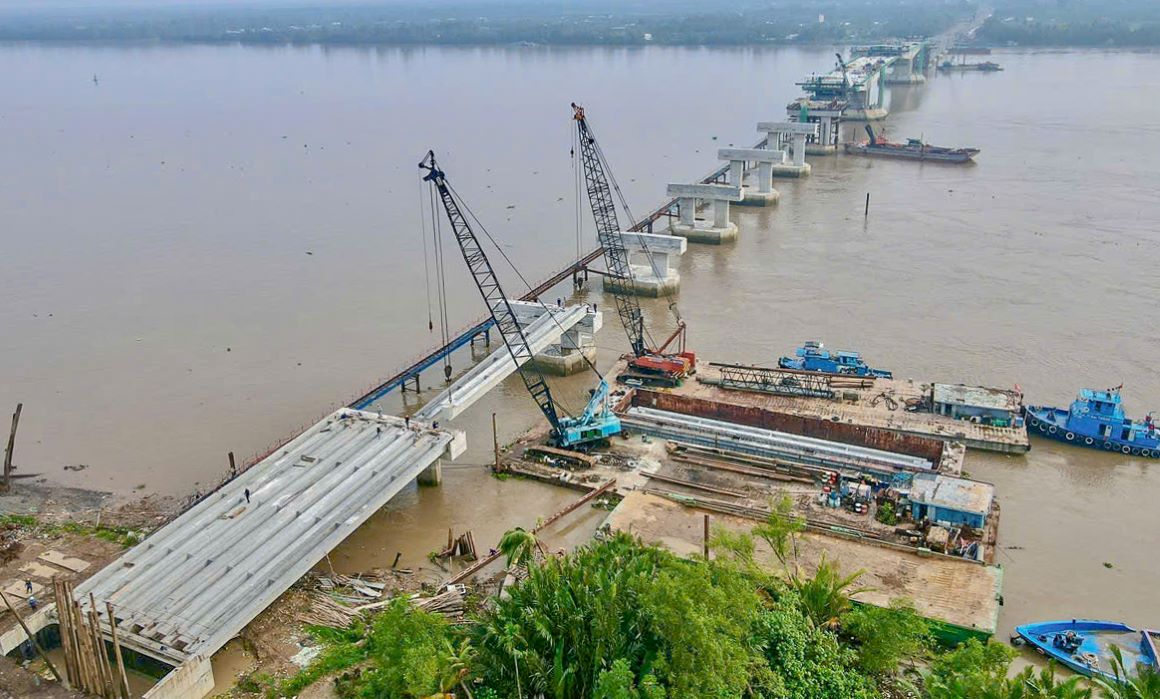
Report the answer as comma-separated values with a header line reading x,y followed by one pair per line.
x,y
495,441
233,466
108,682
11,446
867,212
65,635
125,692
32,636
706,539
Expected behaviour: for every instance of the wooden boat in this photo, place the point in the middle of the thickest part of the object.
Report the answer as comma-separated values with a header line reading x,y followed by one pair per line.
x,y
1085,645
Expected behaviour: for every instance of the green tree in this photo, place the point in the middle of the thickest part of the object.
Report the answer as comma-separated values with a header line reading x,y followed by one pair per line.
x,y
1044,685
780,530
1145,684
687,623
974,670
806,662
411,654
825,597
518,546
886,637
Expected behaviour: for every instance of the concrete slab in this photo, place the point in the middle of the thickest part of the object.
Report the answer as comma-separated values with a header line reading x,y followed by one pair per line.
x,y
38,570
15,588
706,232
723,192
195,583
76,565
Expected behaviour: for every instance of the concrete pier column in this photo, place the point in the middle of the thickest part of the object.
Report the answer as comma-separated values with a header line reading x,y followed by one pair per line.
x,y
721,230
652,259
576,345
797,132
763,194
432,475
688,207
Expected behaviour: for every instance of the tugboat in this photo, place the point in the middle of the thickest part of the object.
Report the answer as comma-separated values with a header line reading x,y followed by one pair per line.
x,y
1096,419
813,356
913,149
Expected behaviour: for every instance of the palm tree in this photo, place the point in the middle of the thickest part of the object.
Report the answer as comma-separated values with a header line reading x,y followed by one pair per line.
x,y
826,596
518,546
1044,685
1145,685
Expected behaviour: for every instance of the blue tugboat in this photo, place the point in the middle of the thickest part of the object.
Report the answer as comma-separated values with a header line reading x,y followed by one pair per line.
x,y
813,356
1096,419
1086,646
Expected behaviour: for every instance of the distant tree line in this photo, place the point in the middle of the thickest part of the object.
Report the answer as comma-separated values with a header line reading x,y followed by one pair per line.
x,y
1073,23
559,23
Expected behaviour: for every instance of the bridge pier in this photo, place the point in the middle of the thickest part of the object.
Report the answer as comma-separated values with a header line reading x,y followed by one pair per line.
x,y
432,475
764,194
796,133
720,229
652,259
577,346
827,118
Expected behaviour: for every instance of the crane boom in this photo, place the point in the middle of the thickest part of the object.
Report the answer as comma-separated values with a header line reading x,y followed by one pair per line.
x,y
608,232
597,422
647,365
493,295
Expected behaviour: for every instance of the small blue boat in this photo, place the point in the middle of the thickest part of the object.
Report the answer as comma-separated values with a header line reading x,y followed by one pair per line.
x,y
1086,646
1096,419
813,356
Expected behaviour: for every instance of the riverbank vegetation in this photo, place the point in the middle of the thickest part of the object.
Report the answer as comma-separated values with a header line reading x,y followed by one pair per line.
x,y
1073,23
618,619
473,22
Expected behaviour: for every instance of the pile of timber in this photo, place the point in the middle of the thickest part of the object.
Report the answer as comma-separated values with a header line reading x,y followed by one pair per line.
x,y
461,547
86,657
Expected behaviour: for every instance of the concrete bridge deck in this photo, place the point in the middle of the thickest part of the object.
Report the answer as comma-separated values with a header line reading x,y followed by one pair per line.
x,y
195,583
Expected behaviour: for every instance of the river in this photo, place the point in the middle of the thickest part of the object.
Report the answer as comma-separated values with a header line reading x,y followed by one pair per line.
x,y
205,247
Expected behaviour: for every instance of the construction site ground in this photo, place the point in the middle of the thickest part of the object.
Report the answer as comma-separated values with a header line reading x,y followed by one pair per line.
x,y
871,409
942,588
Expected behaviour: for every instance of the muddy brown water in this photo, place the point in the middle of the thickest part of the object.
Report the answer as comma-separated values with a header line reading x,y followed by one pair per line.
x,y
216,245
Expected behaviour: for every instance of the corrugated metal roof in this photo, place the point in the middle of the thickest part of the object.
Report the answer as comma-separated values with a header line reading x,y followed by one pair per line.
x,y
949,492
976,397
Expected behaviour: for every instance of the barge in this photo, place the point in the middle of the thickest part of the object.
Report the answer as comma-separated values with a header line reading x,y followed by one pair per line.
x,y
913,149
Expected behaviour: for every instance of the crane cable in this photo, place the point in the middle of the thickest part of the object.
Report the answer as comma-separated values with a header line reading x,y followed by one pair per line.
x,y
524,280
632,221
441,283
426,266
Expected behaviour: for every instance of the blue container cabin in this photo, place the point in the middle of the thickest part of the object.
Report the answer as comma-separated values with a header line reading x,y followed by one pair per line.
x,y
1096,419
1085,646
813,356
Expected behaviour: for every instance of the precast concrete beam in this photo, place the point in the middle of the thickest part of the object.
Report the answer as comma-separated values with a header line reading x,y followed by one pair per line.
x,y
546,326
195,583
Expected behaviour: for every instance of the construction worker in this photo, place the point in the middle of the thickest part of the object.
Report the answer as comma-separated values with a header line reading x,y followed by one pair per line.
x,y
28,585
247,495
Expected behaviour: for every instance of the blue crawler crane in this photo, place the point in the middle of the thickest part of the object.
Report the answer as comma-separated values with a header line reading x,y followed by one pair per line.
x,y
1096,419
813,356
597,422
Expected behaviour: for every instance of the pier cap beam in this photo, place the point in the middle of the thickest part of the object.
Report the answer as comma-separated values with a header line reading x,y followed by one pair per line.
x,y
708,192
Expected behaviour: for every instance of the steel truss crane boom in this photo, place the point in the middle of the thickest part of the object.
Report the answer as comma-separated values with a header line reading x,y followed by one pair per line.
x,y
596,422
648,362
